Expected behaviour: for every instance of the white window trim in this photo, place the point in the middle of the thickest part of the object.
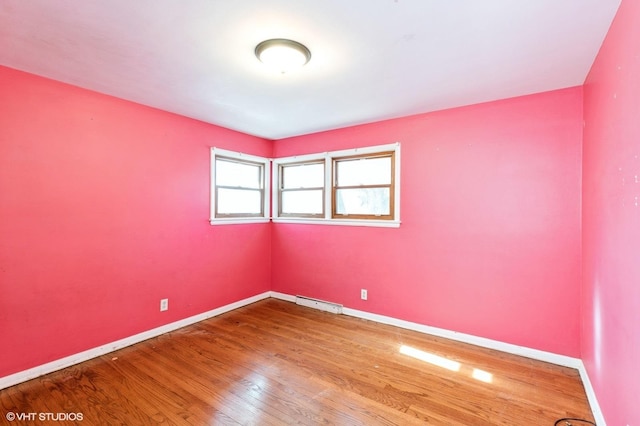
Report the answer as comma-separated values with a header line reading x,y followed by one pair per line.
x,y
327,158
267,183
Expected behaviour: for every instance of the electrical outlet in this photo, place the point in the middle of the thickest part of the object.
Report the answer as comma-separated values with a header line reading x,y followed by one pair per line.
x,y
164,304
363,294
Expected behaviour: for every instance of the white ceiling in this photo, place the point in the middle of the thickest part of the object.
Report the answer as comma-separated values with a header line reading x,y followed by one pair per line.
x,y
371,59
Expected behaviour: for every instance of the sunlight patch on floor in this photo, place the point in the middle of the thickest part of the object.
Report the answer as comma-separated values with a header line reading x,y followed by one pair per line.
x,y
443,362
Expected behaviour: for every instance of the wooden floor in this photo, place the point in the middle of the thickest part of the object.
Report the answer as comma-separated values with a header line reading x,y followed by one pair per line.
x,y
274,362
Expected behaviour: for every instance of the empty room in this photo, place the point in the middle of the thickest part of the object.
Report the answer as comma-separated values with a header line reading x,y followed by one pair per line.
x,y
320,212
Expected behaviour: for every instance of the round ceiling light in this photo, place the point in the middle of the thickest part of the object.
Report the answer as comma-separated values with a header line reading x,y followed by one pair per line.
x,y
282,55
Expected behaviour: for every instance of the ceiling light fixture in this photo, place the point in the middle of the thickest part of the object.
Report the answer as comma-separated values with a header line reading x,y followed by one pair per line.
x,y
282,54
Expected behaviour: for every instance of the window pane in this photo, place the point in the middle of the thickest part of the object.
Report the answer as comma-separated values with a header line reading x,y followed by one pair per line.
x,y
230,173
365,201
235,201
303,176
302,202
364,171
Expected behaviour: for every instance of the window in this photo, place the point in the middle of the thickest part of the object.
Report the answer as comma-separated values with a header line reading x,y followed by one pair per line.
x,y
301,189
238,183
351,187
363,186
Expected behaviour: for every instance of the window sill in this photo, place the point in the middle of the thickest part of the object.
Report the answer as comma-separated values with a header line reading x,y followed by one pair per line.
x,y
238,220
340,222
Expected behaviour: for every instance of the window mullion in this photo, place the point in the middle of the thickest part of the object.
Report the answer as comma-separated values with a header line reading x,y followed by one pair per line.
x,y
328,187
386,185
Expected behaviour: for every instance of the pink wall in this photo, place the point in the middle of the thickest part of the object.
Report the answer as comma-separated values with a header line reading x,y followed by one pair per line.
x,y
611,220
104,208
490,238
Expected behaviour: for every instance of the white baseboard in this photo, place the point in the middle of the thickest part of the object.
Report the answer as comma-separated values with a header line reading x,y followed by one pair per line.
x,y
61,363
591,396
536,354
283,296
563,360
550,357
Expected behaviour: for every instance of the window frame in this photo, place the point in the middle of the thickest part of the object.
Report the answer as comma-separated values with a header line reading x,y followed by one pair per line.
x,y
238,218
392,221
335,187
280,182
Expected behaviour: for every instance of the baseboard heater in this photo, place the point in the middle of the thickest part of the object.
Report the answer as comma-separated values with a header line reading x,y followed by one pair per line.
x,y
334,308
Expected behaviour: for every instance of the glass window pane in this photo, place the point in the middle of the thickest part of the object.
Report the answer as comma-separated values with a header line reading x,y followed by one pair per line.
x,y
365,201
303,176
364,171
235,201
302,202
231,173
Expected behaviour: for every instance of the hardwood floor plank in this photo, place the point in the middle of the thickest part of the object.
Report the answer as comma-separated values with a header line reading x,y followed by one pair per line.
x,y
274,363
